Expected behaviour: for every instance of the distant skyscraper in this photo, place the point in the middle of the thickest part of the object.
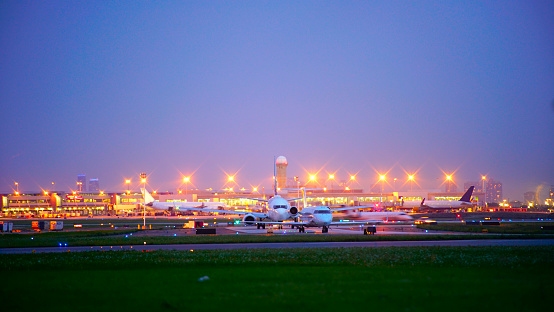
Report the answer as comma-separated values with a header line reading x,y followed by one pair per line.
x,y
282,164
494,191
81,182
94,185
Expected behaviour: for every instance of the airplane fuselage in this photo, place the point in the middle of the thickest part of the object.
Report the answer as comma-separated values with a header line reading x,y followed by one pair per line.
x,y
455,204
278,209
317,216
183,205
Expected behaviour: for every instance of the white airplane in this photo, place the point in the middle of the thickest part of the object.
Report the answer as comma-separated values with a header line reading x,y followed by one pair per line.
x,y
151,203
321,216
464,202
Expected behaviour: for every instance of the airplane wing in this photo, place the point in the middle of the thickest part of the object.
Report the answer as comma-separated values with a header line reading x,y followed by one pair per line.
x,y
351,223
308,223
257,199
297,198
255,214
275,222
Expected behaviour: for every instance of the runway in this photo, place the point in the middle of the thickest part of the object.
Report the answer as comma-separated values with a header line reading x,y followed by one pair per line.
x,y
372,244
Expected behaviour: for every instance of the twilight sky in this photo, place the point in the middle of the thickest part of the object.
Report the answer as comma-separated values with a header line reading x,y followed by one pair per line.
x,y
169,88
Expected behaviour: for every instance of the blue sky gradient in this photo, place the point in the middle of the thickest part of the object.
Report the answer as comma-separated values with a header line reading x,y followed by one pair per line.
x,y
112,89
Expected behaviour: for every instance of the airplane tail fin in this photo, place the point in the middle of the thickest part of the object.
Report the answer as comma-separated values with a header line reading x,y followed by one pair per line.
x,y
467,195
422,202
147,197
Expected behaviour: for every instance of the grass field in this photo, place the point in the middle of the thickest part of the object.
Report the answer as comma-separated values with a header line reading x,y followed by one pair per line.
x,y
125,237
383,279
503,228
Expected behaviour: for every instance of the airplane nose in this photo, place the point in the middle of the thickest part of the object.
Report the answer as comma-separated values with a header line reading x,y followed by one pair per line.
x,y
284,214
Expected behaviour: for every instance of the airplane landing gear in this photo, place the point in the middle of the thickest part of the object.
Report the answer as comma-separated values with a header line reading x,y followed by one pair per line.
x,y
324,229
301,229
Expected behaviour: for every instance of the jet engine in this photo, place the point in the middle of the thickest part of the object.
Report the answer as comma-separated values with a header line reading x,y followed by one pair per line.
x,y
293,210
249,219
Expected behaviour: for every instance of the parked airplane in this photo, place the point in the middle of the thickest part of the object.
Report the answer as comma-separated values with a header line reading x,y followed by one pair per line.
x,y
464,202
151,203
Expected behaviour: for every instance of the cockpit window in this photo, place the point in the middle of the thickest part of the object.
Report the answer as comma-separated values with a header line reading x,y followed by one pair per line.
x,y
279,206
322,211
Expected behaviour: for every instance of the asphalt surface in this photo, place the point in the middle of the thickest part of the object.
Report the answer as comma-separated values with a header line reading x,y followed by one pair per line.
x,y
455,243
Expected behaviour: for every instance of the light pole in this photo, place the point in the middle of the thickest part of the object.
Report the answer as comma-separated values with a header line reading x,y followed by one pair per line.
x,y
17,188
74,199
382,178
411,178
128,182
186,180
313,179
484,178
448,181
143,180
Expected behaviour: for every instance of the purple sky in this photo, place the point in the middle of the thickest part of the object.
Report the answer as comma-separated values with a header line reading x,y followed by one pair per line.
x,y
114,89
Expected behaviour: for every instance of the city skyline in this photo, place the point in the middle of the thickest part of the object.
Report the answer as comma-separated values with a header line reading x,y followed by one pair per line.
x,y
214,88
330,179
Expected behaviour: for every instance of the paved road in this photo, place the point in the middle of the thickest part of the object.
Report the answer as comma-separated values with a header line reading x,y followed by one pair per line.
x,y
477,242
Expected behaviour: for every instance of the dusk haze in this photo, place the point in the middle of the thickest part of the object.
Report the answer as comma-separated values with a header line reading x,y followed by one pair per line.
x,y
212,89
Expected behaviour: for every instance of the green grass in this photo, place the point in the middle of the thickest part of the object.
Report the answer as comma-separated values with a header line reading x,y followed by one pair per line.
x,y
124,237
384,279
107,222
503,228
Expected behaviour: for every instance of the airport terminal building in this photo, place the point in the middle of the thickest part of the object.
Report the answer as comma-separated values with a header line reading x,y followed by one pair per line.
x,y
55,204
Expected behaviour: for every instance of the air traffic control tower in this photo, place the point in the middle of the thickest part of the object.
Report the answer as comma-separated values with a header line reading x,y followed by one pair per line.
x,y
281,164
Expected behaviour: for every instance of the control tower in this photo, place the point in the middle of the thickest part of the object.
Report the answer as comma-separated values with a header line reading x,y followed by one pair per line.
x,y
281,164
